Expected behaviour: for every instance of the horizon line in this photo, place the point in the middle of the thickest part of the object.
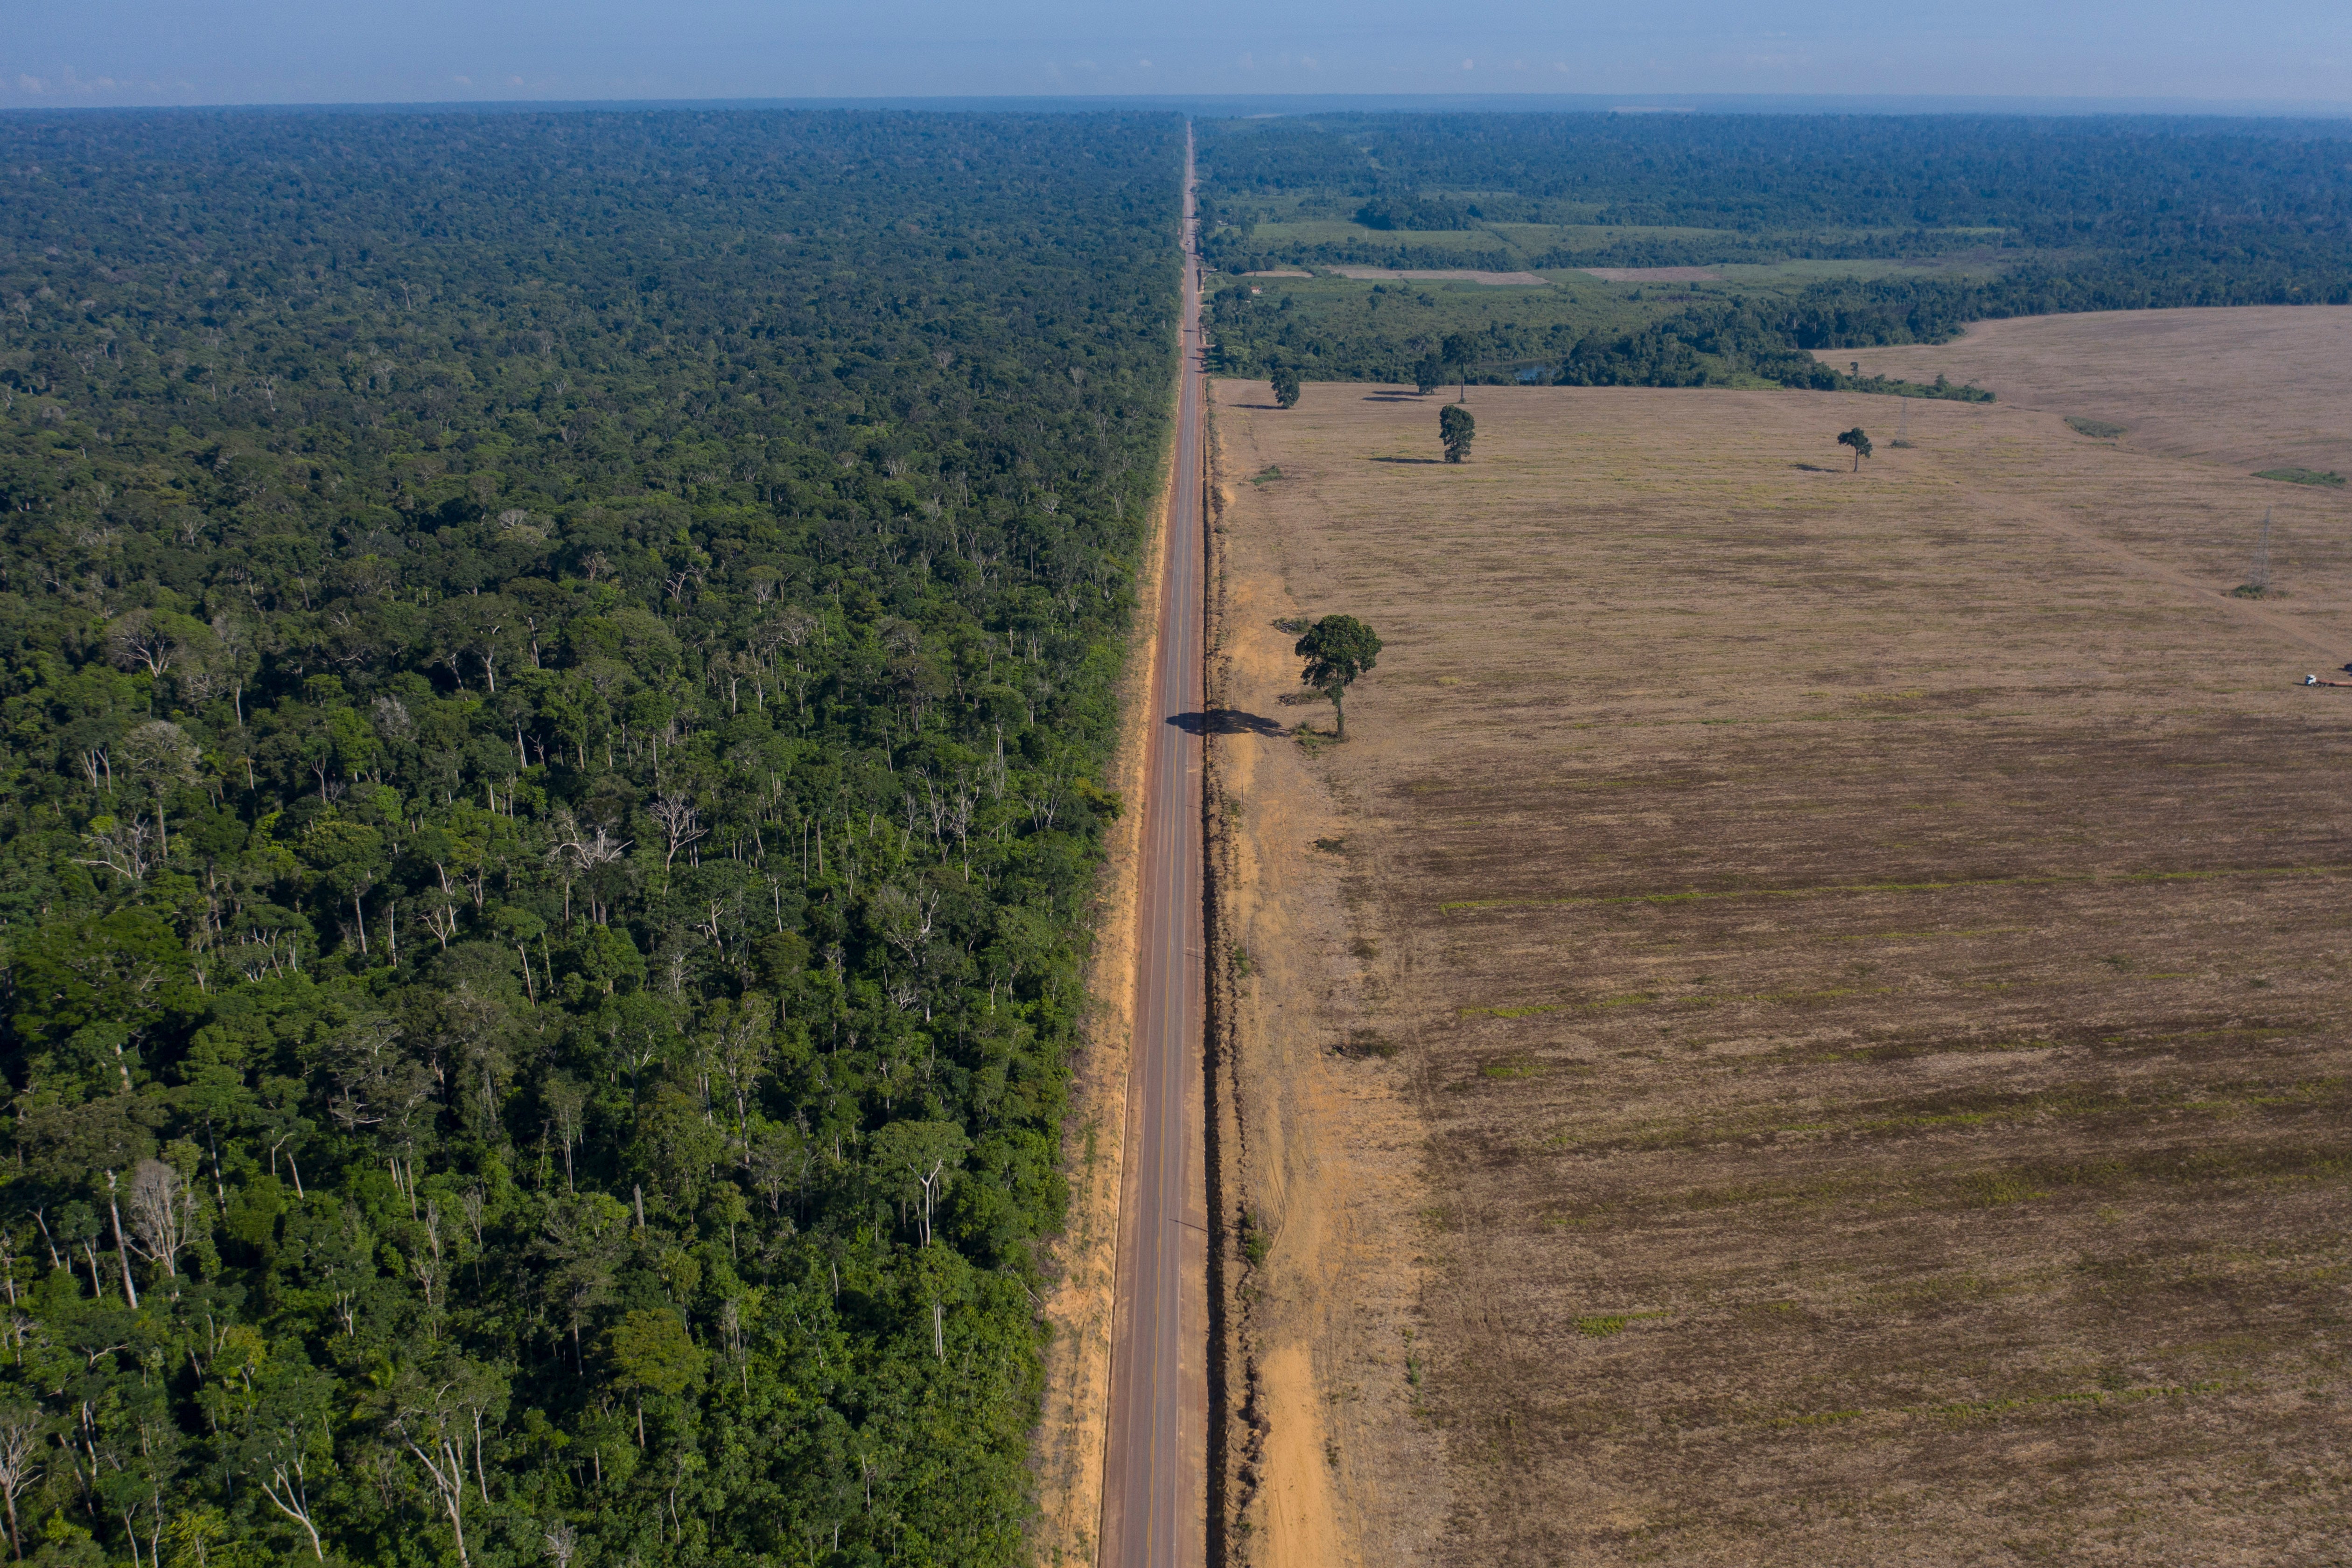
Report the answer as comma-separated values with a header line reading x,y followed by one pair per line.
x,y
1280,105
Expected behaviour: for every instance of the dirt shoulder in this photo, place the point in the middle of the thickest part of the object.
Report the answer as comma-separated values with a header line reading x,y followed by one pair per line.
x,y
1330,1458
1865,964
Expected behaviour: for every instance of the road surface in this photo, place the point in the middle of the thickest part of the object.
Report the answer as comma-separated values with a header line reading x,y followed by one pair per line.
x,y
1154,1484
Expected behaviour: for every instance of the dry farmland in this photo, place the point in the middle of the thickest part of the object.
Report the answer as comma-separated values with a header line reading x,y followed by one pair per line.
x,y
1806,1022
2247,388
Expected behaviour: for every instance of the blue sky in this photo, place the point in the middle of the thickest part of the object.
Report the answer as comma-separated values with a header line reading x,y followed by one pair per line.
x,y
94,52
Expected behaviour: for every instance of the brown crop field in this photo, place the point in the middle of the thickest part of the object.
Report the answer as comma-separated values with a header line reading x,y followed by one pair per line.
x,y
1807,1023
2248,388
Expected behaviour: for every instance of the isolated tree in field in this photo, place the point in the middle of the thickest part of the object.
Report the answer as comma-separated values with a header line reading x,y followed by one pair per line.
x,y
1458,350
1337,650
1859,442
1286,387
1456,427
1427,374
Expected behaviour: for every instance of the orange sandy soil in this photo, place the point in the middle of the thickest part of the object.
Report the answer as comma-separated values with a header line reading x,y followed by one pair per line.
x,y
1808,1021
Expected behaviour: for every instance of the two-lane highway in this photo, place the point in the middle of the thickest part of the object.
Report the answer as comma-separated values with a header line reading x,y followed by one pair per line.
x,y
1155,1482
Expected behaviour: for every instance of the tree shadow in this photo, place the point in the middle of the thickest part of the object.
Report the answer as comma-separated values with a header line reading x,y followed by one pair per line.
x,y
1225,721
1814,468
1415,462
1395,397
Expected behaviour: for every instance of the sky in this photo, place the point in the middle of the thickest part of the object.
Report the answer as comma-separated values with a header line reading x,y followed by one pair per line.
x,y
2239,56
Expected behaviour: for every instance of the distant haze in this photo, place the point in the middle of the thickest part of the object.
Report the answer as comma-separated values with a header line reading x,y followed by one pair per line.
x,y
2255,55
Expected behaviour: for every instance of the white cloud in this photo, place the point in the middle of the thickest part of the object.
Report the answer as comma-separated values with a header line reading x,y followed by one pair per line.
x,y
463,82
32,84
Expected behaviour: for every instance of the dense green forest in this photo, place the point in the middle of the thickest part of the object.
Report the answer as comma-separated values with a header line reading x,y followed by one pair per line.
x,y
556,669
1963,217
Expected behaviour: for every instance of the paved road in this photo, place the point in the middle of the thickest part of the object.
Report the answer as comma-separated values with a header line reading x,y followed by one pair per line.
x,y
1154,1486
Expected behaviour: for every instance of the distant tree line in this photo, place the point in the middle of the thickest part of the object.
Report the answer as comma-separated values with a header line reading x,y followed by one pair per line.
x,y
2094,214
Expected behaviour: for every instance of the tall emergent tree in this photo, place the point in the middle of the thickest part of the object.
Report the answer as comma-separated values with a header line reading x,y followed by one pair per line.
x,y
1457,427
1337,650
1286,386
1859,442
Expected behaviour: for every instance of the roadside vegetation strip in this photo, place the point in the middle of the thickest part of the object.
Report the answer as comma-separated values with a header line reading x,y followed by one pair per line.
x,y
2055,879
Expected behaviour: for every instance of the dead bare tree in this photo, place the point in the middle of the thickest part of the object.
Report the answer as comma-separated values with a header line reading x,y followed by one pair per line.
x,y
574,855
125,846
163,1214
135,640
20,1440
679,821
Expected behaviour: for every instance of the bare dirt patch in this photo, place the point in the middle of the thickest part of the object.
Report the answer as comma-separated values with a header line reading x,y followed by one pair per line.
x,y
1866,957
2249,387
1455,275
1653,274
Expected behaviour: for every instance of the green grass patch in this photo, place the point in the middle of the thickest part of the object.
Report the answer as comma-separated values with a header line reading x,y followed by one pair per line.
x,y
2097,429
1603,1326
2329,477
1255,1239
1513,1066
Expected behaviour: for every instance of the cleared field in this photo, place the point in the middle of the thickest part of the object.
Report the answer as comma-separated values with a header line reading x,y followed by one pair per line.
x,y
1492,280
1653,274
1808,1022
2250,388
1338,231
1804,270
